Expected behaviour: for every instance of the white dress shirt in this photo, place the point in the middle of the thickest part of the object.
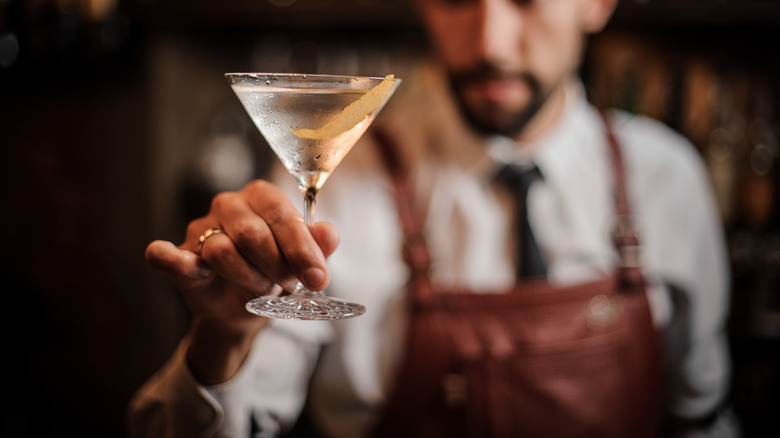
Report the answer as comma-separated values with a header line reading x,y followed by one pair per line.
x,y
348,366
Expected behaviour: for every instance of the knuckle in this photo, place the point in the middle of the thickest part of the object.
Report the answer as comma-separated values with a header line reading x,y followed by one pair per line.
x,y
270,202
246,232
280,215
257,186
222,200
259,190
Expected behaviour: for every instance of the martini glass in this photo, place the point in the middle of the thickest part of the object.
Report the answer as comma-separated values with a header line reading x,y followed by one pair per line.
x,y
311,122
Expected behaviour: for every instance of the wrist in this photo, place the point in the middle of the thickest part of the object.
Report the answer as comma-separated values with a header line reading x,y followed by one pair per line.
x,y
217,351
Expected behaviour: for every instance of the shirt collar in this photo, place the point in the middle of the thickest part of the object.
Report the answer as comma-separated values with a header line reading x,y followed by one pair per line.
x,y
549,153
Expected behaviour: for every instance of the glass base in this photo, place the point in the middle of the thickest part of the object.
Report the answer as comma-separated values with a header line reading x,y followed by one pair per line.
x,y
304,304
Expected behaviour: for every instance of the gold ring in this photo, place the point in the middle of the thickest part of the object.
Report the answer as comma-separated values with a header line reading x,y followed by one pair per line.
x,y
208,233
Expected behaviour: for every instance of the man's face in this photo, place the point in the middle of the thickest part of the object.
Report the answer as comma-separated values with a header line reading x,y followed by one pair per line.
x,y
505,57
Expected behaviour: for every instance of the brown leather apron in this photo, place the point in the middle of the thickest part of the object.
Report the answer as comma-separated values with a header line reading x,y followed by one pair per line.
x,y
536,361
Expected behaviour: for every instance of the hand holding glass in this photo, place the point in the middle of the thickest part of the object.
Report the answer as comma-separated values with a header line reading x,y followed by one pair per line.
x,y
311,122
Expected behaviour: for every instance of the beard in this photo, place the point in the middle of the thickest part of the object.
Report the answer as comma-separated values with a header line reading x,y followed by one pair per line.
x,y
489,118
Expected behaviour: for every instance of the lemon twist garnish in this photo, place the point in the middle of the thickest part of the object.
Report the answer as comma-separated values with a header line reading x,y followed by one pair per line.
x,y
352,114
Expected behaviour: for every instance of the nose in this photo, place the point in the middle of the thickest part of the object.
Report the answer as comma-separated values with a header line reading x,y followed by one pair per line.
x,y
499,31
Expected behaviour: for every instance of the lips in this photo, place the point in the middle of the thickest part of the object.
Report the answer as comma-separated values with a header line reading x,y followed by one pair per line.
x,y
495,89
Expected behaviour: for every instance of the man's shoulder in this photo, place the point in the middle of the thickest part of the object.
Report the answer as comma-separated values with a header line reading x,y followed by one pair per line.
x,y
640,130
651,143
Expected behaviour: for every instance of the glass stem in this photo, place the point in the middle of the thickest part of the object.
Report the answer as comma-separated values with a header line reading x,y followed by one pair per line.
x,y
309,202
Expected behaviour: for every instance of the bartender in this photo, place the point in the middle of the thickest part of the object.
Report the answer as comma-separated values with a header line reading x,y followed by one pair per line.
x,y
536,267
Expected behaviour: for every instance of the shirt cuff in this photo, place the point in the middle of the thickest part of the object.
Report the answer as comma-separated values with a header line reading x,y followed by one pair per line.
x,y
173,404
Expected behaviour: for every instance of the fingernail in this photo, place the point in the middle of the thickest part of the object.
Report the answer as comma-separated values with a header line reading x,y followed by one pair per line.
x,y
314,276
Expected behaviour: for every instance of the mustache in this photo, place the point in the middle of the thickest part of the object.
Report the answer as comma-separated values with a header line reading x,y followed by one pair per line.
x,y
488,71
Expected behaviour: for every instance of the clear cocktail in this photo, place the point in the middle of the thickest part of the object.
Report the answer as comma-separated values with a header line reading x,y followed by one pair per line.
x,y
311,122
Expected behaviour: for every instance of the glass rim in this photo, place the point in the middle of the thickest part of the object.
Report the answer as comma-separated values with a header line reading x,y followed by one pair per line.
x,y
303,81
306,75
266,75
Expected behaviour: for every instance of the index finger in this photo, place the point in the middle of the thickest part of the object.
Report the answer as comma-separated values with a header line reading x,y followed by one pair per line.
x,y
304,256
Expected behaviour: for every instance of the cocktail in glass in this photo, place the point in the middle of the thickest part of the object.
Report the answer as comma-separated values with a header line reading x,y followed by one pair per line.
x,y
311,122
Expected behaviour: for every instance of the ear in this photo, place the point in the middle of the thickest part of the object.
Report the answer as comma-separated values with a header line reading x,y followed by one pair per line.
x,y
596,14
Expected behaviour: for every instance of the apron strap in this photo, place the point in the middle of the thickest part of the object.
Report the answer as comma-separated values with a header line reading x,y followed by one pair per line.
x,y
415,245
624,235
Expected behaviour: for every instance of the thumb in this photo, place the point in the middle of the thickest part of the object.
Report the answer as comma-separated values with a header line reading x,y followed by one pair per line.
x,y
177,263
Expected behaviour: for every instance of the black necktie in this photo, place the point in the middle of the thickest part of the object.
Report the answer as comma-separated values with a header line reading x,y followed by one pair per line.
x,y
517,179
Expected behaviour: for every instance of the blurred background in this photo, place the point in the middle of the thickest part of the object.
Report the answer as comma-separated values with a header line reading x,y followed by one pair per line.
x,y
116,126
